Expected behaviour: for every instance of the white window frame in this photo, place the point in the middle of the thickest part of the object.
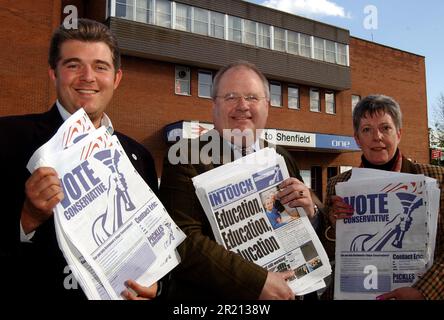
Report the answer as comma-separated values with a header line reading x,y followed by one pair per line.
x,y
340,56
317,50
343,169
275,84
230,29
129,14
341,51
155,14
353,105
150,11
318,109
210,85
331,52
217,25
310,48
207,22
298,107
263,41
297,43
245,33
189,21
330,104
279,39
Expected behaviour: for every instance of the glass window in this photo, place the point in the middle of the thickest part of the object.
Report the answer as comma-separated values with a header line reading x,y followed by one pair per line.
x,y
263,32
211,23
355,100
330,102
250,32
306,176
293,42
330,51
182,80
315,103
276,94
279,39
163,13
200,21
319,49
305,45
342,53
217,21
144,11
183,17
293,97
125,9
234,29
205,82
332,172
343,169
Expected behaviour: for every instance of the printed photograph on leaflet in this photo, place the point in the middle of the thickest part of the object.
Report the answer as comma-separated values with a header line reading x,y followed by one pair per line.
x,y
284,220
276,213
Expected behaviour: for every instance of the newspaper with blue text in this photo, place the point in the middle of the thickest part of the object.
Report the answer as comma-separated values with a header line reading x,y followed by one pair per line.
x,y
239,199
389,241
110,225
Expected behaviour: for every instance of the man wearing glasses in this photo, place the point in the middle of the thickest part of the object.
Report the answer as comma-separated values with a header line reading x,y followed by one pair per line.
x,y
208,271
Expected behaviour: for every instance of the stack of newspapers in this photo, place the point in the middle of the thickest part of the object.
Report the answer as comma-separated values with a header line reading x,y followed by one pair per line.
x,y
247,218
389,241
110,225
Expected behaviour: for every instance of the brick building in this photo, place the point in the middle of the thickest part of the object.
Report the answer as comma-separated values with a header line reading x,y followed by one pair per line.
x,y
171,50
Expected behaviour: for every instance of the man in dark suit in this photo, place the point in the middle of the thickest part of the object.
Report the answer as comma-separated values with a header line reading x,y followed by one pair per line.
x,y
209,271
85,67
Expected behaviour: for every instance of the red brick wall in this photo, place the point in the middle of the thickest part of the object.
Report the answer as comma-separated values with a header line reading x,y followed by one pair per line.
x,y
145,102
26,31
401,75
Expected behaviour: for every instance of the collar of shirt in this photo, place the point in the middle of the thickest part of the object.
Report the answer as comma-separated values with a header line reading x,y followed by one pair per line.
x,y
106,121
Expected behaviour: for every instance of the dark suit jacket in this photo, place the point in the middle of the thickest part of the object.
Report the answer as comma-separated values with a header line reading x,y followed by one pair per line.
x,y
207,270
38,268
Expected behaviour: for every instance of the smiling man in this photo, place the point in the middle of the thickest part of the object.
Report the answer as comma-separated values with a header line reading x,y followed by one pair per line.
x,y
208,271
84,64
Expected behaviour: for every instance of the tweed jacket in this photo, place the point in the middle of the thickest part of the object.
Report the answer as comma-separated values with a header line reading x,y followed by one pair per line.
x,y
207,270
431,284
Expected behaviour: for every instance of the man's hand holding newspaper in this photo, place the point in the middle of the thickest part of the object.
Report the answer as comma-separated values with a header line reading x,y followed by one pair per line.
x,y
241,202
110,225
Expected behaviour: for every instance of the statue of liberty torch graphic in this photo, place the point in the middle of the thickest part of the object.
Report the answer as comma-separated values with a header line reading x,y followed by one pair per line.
x,y
397,227
107,223
409,204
